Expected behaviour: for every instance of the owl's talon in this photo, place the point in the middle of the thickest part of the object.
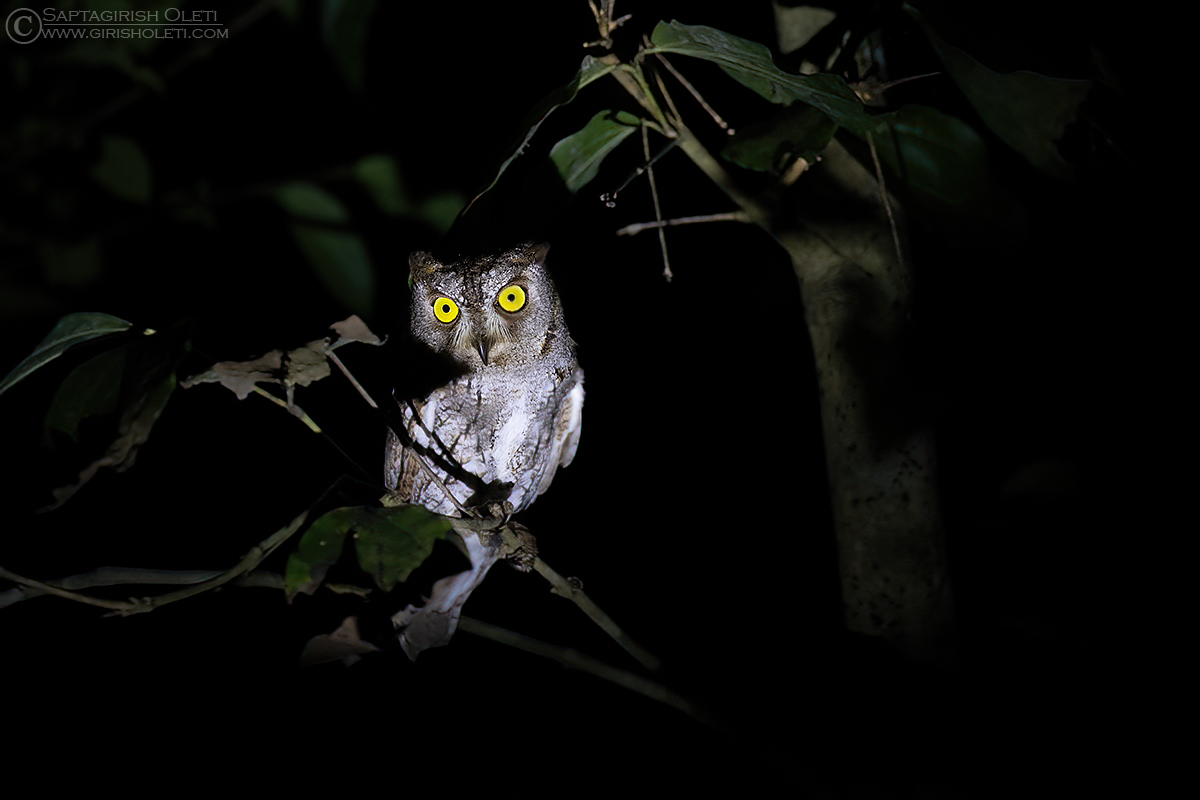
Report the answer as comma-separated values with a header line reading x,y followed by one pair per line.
x,y
519,549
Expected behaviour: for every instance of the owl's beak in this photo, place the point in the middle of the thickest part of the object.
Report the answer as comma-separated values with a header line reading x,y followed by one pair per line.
x,y
483,345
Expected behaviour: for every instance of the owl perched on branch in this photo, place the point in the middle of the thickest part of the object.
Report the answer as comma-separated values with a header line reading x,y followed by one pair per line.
x,y
496,434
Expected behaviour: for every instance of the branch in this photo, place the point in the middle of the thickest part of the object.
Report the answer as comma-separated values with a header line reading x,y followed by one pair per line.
x,y
572,589
576,660
113,576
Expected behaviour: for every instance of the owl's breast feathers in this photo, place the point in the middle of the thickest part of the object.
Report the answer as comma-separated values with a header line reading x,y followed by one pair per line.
x,y
488,435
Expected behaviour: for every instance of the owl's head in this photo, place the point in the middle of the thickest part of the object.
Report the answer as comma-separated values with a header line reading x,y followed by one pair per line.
x,y
489,312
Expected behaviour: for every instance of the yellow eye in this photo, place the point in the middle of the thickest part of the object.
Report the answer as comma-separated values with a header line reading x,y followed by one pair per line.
x,y
512,298
445,309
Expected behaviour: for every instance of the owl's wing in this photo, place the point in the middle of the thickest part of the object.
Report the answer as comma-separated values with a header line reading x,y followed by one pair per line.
x,y
570,421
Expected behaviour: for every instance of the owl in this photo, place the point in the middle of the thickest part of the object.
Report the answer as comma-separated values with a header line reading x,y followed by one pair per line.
x,y
496,434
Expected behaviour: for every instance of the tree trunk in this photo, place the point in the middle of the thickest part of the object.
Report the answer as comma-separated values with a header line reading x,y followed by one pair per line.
x,y
877,426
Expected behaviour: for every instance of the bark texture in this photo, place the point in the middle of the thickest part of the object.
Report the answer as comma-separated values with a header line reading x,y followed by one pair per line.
x,y
877,428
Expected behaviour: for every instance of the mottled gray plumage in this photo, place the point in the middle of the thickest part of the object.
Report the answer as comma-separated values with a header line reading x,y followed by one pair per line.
x,y
499,431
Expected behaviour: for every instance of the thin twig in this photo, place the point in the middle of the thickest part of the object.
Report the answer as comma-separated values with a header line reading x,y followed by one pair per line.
x,y
338,363
728,216
292,409
883,198
576,660
662,236
699,98
565,588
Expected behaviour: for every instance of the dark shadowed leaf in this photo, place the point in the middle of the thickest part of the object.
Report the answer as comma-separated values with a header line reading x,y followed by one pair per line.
x,y
798,131
379,176
344,27
343,645
750,64
123,169
132,432
1028,111
578,156
135,381
318,550
339,257
70,330
91,389
939,165
390,544
310,202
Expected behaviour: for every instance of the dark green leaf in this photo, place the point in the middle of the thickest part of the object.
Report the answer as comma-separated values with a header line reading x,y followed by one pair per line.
x,y
123,169
310,202
344,27
939,165
378,176
136,380
92,389
70,330
798,131
578,156
339,257
318,550
342,263
390,544
439,210
1028,111
750,64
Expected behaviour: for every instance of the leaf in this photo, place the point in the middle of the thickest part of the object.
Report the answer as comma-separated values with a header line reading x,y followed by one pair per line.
x,y
939,165
797,131
344,645
440,210
339,257
590,70
344,25
390,543
132,433
799,24
91,389
240,377
379,176
135,380
353,329
578,157
299,367
1030,112
342,263
318,549
310,202
69,331
123,169
750,64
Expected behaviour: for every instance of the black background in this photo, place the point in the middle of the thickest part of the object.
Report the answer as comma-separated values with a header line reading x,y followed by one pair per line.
x,y
696,510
